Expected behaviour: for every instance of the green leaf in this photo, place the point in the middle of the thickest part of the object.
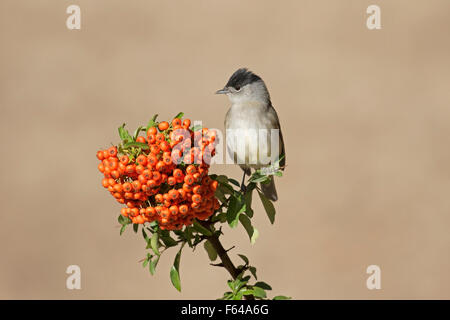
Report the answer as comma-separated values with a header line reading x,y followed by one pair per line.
x,y
236,207
219,195
248,202
175,278
124,134
212,253
268,206
244,258
234,182
175,271
222,179
226,188
179,115
197,226
251,231
263,285
144,234
154,243
253,271
231,284
123,220
135,227
153,264
259,293
260,179
152,122
282,298
137,131
168,240
141,145
122,229
197,127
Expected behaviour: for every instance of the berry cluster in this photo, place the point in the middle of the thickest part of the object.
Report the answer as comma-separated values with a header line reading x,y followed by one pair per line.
x,y
163,177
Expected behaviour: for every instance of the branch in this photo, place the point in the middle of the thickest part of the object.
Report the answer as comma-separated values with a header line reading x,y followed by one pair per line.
x,y
222,253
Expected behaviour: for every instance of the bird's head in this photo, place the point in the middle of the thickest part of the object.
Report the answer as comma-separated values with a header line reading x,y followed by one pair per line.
x,y
245,86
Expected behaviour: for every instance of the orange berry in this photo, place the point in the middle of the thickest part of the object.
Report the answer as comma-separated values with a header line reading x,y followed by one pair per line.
x,y
160,138
160,165
100,155
124,159
142,160
171,181
164,125
189,179
197,190
177,173
130,169
139,219
187,187
151,130
150,211
164,145
128,195
167,159
134,212
151,159
191,169
142,179
182,193
127,187
141,139
151,183
173,194
173,210
156,175
105,183
155,149
214,185
183,209
186,123
112,152
112,163
101,167
118,188
159,198
147,174
139,169
136,185
151,139
195,205
176,122
196,198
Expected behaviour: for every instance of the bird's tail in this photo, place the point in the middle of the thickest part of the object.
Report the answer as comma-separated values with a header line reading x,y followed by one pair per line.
x,y
269,190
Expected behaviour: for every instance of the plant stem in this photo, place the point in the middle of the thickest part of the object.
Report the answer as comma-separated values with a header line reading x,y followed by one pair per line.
x,y
223,255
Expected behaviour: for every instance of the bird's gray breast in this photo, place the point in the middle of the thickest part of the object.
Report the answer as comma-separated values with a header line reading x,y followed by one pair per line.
x,y
252,134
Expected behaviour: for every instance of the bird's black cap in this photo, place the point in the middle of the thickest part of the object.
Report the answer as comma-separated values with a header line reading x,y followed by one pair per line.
x,y
241,78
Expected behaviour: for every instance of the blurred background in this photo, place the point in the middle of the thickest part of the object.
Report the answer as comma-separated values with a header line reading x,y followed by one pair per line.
x,y
365,116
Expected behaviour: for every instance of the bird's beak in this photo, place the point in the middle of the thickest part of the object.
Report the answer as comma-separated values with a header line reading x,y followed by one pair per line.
x,y
223,91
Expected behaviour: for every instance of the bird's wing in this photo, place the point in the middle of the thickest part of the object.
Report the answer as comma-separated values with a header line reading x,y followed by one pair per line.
x,y
283,150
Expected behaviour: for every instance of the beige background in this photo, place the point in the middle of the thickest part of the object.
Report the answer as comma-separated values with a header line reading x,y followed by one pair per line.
x,y
365,116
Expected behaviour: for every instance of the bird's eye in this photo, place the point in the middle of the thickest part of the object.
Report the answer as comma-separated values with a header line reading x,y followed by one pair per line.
x,y
237,88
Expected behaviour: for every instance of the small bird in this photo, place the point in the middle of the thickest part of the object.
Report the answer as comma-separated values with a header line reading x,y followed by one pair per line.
x,y
252,112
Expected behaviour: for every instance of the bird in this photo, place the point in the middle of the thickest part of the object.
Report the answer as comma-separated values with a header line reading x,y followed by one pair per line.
x,y
252,112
